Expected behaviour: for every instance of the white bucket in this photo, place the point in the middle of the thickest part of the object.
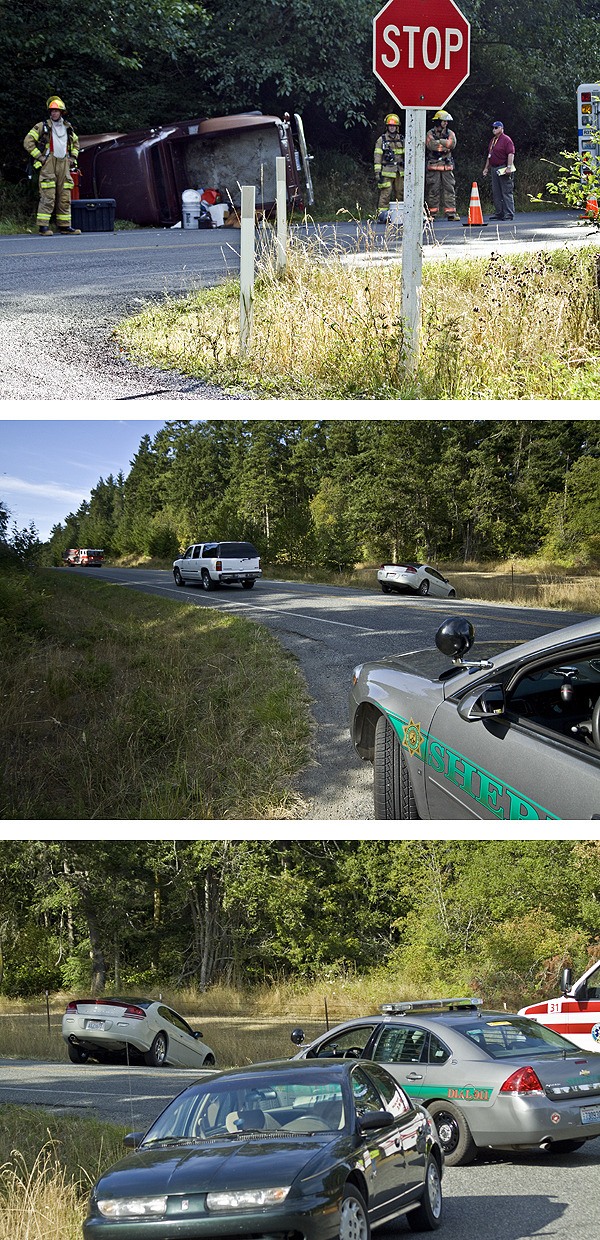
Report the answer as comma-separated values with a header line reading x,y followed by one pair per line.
x,y
396,213
190,208
218,212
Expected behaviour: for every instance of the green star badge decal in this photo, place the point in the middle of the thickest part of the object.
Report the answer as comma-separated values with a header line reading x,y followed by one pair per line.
x,y
413,738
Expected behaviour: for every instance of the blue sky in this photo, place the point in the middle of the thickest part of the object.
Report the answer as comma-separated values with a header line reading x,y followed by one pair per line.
x,y
48,467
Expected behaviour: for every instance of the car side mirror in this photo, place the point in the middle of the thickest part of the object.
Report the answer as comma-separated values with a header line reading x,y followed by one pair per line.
x,y
485,703
566,979
375,1119
297,1036
197,1035
133,1139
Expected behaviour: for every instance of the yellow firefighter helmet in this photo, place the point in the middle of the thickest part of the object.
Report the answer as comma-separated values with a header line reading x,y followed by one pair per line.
x,y
55,102
392,119
442,116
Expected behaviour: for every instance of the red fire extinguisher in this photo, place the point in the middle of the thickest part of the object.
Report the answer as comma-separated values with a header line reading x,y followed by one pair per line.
x,y
76,177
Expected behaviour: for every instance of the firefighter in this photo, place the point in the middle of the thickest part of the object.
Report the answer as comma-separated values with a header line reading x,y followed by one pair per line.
x,y
388,163
54,147
440,186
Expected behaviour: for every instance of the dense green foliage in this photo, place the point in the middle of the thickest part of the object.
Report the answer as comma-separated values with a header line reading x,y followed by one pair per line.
x,y
499,916
333,493
133,64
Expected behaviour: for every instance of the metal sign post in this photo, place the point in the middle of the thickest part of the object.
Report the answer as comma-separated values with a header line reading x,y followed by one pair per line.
x,y
412,235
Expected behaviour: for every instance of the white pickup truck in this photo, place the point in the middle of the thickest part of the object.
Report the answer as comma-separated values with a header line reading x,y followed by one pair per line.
x,y
218,563
576,1014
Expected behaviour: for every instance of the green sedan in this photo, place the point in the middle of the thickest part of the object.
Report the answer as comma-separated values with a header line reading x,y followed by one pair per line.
x,y
298,1150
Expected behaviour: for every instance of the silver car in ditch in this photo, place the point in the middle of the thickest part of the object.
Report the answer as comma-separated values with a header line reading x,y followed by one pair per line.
x,y
514,735
145,1030
414,579
491,1080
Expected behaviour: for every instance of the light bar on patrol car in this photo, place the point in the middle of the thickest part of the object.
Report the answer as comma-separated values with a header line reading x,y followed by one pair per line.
x,y
412,1005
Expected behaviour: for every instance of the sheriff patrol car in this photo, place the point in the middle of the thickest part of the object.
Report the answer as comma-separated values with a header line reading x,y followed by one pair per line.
x,y
513,735
576,1014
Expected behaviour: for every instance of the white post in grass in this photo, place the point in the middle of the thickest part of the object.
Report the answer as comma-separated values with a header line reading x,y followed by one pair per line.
x,y
247,242
281,213
412,236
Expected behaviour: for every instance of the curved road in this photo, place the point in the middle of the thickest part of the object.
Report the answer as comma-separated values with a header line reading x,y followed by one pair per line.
x,y
330,629
500,1197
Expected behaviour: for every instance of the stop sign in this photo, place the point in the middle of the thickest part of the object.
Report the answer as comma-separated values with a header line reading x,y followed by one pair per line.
x,y
421,51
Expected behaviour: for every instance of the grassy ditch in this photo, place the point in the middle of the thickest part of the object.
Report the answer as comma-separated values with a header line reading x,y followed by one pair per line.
x,y
48,1164
512,326
118,705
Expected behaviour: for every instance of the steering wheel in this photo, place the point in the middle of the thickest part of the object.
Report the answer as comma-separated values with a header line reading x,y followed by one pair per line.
x,y
596,723
353,1052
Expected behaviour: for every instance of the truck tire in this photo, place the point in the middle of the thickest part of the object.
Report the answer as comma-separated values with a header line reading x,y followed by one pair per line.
x,y
206,580
178,578
247,585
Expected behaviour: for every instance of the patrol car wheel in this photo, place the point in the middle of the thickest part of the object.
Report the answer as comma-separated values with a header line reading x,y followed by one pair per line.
x,y
392,785
454,1133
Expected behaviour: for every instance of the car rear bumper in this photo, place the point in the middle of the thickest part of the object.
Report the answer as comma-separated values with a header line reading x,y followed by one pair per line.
x,y
239,576
536,1121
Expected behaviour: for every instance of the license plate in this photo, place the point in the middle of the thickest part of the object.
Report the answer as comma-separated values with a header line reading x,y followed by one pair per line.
x,y
94,1024
590,1115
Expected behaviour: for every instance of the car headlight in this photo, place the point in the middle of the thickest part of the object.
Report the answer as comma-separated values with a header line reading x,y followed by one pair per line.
x,y
247,1199
132,1207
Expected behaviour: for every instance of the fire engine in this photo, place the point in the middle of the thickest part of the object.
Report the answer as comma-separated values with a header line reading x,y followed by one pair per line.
x,y
84,555
577,1013
588,122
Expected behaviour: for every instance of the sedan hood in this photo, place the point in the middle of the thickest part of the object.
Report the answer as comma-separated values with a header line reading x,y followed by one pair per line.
x,y
432,664
211,1166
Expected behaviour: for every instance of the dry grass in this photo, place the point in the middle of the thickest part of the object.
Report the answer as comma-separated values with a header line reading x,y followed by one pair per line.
x,y
510,327
117,705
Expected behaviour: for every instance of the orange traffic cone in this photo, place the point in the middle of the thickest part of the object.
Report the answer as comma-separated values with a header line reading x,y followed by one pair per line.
x,y
591,208
475,214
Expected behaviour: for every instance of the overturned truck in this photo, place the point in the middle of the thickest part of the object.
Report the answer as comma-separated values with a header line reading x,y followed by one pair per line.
x,y
146,172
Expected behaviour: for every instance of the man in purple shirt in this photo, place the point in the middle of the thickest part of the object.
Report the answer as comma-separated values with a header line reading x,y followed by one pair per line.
x,y
500,162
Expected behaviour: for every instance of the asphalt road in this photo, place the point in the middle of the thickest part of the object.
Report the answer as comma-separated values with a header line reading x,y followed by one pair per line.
x,y
516,1196
61,297
330,629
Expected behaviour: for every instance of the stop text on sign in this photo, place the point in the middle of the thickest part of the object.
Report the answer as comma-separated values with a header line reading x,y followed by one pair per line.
x,y
431,49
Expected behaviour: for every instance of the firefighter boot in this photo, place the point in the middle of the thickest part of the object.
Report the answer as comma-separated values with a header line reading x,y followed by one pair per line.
x,y
44,231
70,232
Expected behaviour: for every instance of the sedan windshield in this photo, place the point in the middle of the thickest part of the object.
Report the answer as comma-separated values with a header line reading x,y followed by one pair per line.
x,y
235,1107
503,1036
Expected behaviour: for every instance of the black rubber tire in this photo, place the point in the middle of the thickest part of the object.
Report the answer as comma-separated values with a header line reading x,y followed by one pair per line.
x,y
392,786
452,594
77,1054
424,587
156,1057
206,580
208,1061
454,1133
564,1147
428,1216
178,578
385,588
248,585
354,1219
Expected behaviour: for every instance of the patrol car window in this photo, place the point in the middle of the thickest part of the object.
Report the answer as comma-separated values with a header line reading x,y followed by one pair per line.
x,y
438,1053
365,1095
500,1037
342,1045
559,696
400,1044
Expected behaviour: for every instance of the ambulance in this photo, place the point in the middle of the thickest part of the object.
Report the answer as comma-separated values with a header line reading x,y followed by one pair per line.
x,y
577,1013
